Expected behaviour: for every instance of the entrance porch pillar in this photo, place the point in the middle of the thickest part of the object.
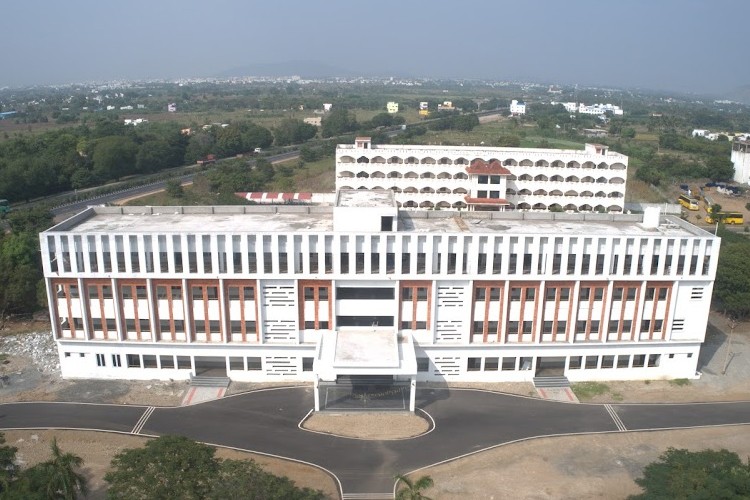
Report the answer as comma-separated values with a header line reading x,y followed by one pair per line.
x,y
412,394
316,393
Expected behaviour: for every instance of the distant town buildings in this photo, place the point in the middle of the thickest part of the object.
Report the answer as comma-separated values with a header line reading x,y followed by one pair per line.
x,y
446,106
593,109
517,107
135,121
714,136
424,108
315,120
392,107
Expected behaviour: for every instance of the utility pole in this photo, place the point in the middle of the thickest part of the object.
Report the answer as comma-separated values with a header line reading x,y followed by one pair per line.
x,y
732,325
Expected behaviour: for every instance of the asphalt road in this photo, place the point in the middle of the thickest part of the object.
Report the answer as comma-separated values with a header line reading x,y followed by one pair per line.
x,y
466,421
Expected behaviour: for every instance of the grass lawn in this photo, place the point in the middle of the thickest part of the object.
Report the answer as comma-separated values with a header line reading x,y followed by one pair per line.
x,y
639,191
315,177
585,391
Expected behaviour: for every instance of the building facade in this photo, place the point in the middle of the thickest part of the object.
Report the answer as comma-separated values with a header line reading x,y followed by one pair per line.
x,y
741,160
487,178
517,107
270,293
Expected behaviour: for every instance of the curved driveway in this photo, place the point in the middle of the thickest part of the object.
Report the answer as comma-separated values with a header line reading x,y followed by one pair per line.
x,y
466,421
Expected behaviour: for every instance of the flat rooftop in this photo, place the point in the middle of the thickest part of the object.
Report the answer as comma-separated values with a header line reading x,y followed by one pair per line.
x,y
363,198
290,219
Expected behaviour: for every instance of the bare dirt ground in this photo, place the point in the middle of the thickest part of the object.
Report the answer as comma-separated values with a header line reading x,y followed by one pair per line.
x,y
601,466
375,426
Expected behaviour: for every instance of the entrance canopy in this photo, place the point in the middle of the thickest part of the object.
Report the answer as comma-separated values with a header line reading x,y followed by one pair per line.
x,y
372,367
365,351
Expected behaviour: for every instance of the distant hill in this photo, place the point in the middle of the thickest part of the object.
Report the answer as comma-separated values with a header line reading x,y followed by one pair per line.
x,y
305,69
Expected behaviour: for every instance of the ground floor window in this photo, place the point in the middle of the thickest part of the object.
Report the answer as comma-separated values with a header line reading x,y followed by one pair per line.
x,y
491,364
254,363
423,364
474,364
149,361
509,364
100,360
166,361
307,364
134,360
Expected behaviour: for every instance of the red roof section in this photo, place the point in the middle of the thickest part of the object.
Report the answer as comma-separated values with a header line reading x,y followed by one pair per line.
x,y
482,167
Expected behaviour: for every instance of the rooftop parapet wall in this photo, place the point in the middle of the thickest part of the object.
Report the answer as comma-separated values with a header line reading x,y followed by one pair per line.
x,y
476,151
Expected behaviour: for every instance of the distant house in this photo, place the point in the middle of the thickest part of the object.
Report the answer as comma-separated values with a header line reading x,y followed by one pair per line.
x,y
699,132
327,107
595,132
172,107
517,108
392,107
424,108
126,108
446,106
315,120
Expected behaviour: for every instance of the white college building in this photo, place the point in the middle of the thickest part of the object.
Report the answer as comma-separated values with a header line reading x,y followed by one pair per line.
x,y
319,294
487,178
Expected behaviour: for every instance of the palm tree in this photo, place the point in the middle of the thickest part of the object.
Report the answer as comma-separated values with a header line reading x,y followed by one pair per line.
x,y
60,476
412,490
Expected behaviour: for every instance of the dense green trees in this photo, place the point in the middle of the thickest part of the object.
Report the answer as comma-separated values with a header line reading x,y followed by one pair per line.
x,y
177,467
706,474
20,265
463,123
292,131
732,286
85,156
384,120
337,122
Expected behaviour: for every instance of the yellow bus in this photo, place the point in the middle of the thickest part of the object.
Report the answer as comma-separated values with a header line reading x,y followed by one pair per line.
x,y
688,202
725,217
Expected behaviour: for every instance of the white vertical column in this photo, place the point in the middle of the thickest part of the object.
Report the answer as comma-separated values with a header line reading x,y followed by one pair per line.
x,y
214,249
243,254
225,324
412,393
126,250
170,254
367,251
187,304
99,253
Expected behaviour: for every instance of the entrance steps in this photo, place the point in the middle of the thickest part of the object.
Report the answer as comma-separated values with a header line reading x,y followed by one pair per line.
x,y
549,382
202,381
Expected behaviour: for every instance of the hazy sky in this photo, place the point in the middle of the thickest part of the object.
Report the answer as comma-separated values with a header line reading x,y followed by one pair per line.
x,y
685,45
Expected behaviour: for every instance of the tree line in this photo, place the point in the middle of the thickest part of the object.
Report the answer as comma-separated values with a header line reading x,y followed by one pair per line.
x,y
167,467
85,156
